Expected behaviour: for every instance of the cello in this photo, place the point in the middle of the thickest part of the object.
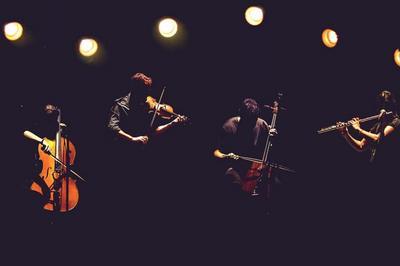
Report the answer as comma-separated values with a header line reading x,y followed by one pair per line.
x,y
57,155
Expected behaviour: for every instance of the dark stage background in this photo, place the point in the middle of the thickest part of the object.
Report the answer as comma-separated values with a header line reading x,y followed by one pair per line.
x,y
322,214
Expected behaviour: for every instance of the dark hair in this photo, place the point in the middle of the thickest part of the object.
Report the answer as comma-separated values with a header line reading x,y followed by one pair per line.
x,y
50,109
387,101
140,79
49,124
140,87
249,109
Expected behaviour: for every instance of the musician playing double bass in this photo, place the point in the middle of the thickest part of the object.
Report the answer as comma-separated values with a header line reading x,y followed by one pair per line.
x,y
244,135
48,128
53,185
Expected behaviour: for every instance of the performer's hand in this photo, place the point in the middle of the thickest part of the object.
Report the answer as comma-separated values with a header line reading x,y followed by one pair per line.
x,y
261,167
355,122
382,114
342,128
273,132
140,139
232,156
178,120
45,147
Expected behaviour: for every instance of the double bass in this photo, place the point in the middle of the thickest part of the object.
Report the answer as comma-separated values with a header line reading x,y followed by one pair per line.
x,y
56,155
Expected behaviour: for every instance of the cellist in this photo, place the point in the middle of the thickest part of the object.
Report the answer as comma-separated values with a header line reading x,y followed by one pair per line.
x,y
244,135
58,192
46,127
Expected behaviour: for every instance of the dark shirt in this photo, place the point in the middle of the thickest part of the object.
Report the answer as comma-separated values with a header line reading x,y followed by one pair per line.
x,y
386,150
250,143
132,119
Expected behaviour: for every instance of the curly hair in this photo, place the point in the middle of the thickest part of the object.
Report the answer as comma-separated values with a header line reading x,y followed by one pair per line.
x,y
249,109
142,78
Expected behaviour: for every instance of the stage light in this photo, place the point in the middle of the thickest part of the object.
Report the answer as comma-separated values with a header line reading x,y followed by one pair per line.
x,y
168,27
13,31
397,57
254,15
329,38
88,47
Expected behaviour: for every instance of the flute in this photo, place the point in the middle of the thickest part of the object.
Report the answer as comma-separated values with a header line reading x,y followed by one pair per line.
x,y
347,124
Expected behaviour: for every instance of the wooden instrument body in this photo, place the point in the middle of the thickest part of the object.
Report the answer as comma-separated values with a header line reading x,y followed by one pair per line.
x,y
249,182
63,193
165,111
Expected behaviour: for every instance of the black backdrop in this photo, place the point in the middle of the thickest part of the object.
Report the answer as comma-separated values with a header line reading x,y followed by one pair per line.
x,y
220,61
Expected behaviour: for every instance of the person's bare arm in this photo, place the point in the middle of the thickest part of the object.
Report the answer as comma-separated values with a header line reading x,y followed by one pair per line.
x,y
219,154
163,128
355,122
372,136
114,125
138,139
358,145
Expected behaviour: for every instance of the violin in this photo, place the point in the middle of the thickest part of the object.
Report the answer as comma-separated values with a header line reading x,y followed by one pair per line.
x,y
62,191
165,111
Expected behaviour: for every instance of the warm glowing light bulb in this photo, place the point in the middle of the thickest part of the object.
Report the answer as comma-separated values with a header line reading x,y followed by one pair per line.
x,y
168,27
254,15
13,31
88,47
329,38
397,57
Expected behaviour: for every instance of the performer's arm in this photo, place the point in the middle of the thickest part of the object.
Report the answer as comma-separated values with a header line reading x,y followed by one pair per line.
x,y
114,125
373,136
163,128
358,145
222,146
219,154
355,122
138,139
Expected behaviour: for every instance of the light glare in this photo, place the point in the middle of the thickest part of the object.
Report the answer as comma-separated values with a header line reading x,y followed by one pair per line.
x,y
88,47
13,31
254,15
397,57
168,27
329,38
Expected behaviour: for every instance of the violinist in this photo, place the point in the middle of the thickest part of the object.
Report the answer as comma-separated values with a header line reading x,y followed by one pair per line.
x,y
131,159
130,117
243,135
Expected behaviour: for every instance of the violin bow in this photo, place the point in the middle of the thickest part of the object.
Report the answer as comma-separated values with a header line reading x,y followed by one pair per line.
x,y
157,106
